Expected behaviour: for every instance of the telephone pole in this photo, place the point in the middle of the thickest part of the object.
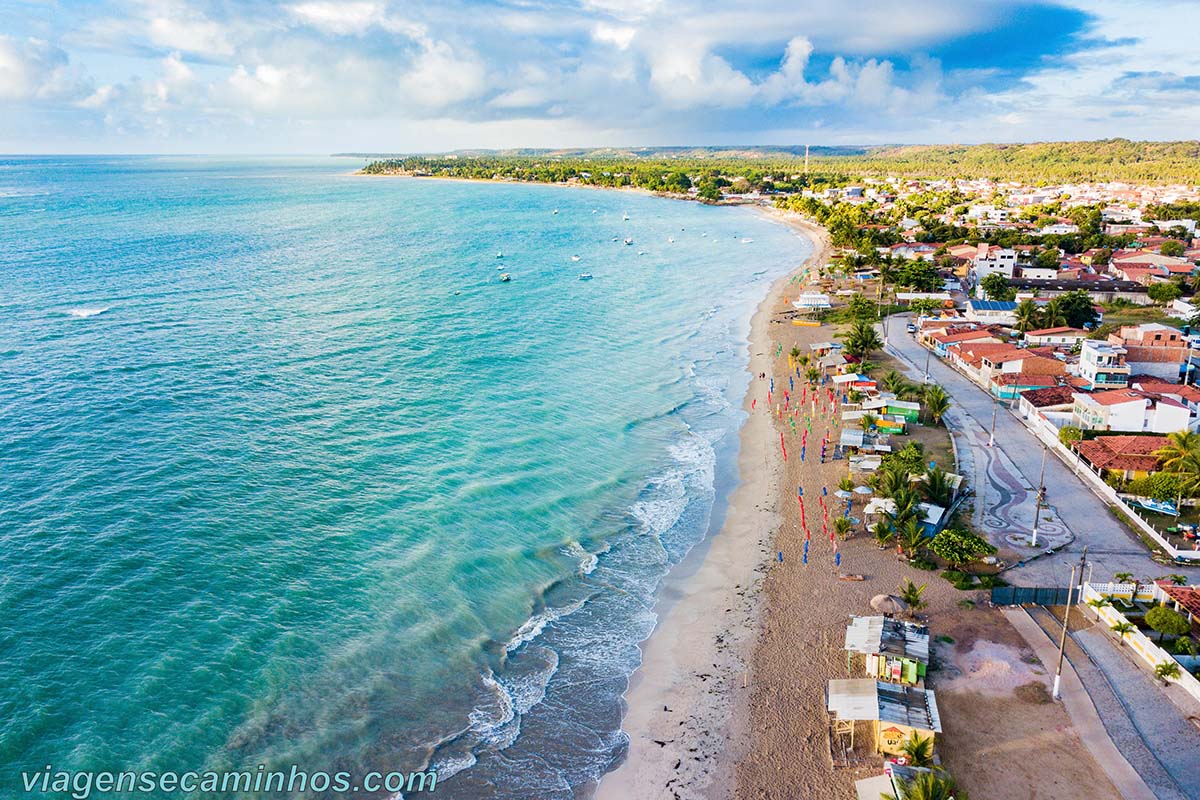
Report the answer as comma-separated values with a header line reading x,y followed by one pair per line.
x,y
1041,495
1062,642
992,435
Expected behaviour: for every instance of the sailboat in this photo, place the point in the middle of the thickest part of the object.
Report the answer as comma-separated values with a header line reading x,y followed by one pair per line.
x,y
625,216
574,258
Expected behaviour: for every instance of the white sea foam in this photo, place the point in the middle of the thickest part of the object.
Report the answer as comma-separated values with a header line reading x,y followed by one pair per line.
x,y
84,313
534,626
587,561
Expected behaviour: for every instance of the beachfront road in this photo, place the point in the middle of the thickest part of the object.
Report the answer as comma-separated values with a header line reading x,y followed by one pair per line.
x,y
998,478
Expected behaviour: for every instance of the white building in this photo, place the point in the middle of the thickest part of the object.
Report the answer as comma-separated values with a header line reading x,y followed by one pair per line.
x,y
1128,410
1103,365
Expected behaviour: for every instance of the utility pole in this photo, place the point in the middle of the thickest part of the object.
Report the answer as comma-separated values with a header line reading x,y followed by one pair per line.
x,y
1041,495
995,408
928,352
1062,642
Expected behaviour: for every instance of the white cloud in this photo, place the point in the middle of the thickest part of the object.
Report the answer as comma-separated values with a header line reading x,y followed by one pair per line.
x,y
175,25
33,69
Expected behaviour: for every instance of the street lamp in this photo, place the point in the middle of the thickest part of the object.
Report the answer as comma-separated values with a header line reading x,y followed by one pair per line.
x,y
928,353
1041,495
1062,642
995,408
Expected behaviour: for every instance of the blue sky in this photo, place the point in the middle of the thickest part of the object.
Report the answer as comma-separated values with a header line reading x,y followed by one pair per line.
x,y
318,76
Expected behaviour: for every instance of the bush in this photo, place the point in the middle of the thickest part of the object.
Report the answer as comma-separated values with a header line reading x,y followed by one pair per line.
x,y
923,563
960,546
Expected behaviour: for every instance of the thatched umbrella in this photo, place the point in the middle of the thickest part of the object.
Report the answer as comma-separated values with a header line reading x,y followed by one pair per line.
x,y
888,604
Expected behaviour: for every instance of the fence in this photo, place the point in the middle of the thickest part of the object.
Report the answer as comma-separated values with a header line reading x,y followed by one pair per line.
x,y
1040,595
1137,641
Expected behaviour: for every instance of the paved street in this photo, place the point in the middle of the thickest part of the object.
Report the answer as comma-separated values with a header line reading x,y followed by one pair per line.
x,y
1003,482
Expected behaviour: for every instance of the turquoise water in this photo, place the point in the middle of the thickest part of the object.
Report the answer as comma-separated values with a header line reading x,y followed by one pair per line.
x,y
290,476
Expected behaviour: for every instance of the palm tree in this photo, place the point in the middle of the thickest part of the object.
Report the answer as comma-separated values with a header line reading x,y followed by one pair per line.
x,y
867,421
812,373
1053,315
846,484
930,786
1122,577
882,532
1098,603
912,536
862,340
937,488
918,750
889,481
937,402
911,594
1181,457
866,366
1028,316
854,396
894,382
1167,671
1122,629
843,526
795,352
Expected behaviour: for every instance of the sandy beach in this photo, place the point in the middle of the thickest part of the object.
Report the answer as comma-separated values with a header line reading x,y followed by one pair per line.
x,y
729,699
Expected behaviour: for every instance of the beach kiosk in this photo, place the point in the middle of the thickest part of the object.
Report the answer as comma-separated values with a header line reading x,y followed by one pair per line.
x,y
892,650
895,712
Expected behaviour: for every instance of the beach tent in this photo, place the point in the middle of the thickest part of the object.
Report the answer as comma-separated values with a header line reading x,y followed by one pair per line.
x,y
812,301
895,712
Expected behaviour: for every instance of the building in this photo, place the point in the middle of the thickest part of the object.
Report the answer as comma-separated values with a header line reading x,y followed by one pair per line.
x,y
1049,408
1127,457
893,650
941,341
1102,365
992,258
992,312
1055,337
1153,349
896,712
1128,410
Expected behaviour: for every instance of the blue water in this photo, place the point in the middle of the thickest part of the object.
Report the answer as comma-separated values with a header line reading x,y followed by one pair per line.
x,y
287,475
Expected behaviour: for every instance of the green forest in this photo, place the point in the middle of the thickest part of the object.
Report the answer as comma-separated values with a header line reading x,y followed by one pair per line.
x,y
782,168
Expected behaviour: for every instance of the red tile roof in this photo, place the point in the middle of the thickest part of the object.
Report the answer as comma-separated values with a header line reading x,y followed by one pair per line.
x,y
1188,597
1050,396
1134,453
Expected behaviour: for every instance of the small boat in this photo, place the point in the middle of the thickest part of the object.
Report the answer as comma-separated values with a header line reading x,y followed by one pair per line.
x,y
556,211
500,268
499,255
594,210
641,252
747,240
574,258
629,241
505,277
585,276
704,234
671,239
625,216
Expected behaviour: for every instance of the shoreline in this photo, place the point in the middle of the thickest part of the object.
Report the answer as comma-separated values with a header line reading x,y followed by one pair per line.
x,y
688,703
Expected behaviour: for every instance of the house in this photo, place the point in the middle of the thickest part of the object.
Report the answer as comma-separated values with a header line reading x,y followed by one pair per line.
x,y
1009,386
812,301
992,258
1128,457
1187,395
992,312
1036,273
942,341
1102,365
1049,407
1059,229
1153,348
1060,336
1128,410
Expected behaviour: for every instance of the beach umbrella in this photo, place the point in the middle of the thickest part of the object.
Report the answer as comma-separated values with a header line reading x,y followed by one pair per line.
x,y
888,604
862,490
845,495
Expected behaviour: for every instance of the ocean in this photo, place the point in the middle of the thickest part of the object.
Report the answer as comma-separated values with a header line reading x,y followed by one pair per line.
x,y
288,475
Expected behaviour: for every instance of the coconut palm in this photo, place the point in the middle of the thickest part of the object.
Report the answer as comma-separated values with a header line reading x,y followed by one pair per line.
x,y
862,340
930,786
1029,316
882,532
894,382
867,421
843,526
866,366
1098,603
918,750
1167,671
846,484
1181,457
1122,629
937,487
795,352
937,403
1122,577
912,594
890,480
1053,315
812,373
911,537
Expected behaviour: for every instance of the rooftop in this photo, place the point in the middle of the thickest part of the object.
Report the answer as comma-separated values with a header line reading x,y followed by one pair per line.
x,y
1050,396
992,305
880,635
1135,453
867,699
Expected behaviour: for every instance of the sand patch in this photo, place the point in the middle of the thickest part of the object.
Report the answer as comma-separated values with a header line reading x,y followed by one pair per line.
x,y
994,669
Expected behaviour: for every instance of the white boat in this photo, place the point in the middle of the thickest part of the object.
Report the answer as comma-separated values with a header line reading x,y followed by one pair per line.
x,y
500,268
629,241
704,234
625,216
641,252
671,239
556,211
499,255
585,276
574,258
747,240
505,277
